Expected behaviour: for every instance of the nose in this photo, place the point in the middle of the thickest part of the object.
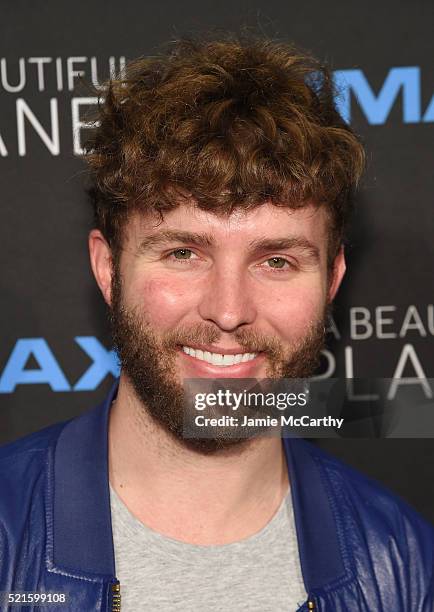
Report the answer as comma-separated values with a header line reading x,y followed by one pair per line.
x,y
228,300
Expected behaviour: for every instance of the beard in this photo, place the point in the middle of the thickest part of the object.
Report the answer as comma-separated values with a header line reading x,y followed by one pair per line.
x,y
149,362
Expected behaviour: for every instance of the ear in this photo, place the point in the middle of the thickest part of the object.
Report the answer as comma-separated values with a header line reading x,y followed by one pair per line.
x,y
337,274
101,262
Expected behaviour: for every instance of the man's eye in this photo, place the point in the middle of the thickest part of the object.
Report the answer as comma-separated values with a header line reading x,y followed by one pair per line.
x,y
278,263
182,254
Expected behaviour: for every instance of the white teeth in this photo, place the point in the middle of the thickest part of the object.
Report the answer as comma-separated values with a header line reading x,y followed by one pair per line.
x,y
217,358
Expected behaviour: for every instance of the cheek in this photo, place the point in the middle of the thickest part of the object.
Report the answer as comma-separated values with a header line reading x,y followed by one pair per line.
x,y
292,312
164,300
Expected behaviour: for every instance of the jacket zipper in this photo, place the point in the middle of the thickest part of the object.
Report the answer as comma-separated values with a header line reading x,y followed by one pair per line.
x,y
116,597
311,605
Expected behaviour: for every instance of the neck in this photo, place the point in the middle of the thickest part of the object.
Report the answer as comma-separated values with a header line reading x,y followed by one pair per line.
x,y
195,498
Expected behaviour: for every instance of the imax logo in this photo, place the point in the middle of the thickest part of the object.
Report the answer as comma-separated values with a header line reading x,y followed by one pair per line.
x,y
49,372
400,82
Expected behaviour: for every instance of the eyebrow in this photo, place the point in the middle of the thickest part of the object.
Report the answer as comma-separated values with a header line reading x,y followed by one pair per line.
x,y
167,236
207,240
291,242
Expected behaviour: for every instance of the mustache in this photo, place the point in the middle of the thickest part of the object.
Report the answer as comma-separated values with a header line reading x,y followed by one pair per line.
x,y
250,340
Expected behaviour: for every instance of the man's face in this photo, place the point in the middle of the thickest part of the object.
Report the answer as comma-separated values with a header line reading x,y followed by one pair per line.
x,y
186,291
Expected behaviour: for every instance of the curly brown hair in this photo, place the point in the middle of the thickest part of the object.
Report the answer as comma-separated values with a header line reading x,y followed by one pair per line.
x,y
229,123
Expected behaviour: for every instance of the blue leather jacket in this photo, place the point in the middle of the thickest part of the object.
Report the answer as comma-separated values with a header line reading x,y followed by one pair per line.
x,y
361,548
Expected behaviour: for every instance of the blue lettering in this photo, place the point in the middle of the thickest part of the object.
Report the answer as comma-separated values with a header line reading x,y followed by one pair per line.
x,y
377,107
429,113
49,372
104,362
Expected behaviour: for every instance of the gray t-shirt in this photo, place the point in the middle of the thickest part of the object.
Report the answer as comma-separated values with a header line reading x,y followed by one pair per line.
x,y
160,574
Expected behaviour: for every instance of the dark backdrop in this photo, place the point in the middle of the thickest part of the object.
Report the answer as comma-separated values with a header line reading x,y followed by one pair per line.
x,y
54,351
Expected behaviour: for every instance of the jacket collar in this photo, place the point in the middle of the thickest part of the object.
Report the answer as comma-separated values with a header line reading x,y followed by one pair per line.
x,y
83,541
315,516
82,533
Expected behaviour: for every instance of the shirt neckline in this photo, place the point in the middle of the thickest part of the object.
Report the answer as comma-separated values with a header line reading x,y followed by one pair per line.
x,y
137,529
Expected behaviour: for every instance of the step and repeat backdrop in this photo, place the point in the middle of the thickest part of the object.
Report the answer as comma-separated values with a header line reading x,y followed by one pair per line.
x,y
55,355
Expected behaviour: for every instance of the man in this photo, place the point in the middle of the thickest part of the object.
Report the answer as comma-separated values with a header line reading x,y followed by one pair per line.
x,y
222,180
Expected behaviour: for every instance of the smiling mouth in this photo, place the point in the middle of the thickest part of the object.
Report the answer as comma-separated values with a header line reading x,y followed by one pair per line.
x,y
219,359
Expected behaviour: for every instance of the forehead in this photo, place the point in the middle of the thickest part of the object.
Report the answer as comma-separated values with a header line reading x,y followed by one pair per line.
x,y
266,221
